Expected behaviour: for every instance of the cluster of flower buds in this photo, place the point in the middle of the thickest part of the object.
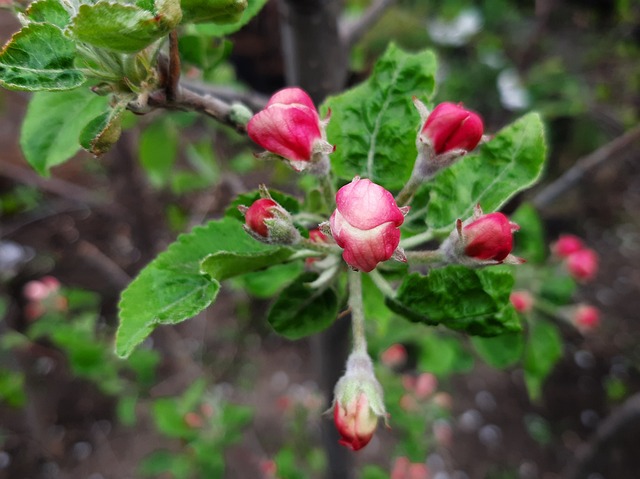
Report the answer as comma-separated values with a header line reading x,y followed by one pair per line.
x,y
358,402
366,224
43,296
581,262
290,128
269,222
481,240
403,468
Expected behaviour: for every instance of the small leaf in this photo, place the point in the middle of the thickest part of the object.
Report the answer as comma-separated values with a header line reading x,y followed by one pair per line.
x,y
53,123
48,11
118,27
544,349
103,131
267,283
472,300
221,27
300,310
376,122
500,351
171,288
39,57
510,162
224,264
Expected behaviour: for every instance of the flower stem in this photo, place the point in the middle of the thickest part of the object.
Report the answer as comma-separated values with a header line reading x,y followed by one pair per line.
x,y
357,312
326,248
416,240
424,257
382,284
423,170
327,188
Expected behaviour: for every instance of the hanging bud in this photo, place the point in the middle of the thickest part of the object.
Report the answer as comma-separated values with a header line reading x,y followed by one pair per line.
x,y
566,245
365,223
583,264
358,402
289,127
522,301
481,240
269,222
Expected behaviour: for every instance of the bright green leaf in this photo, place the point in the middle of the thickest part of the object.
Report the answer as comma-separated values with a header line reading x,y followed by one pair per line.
x,y
544,349
224,264
267,283
472,300
375,123
53,123
118,27
39,57
510,162
219,29
171,288
48,11
500,351
443,355
300,310
557,289
529,242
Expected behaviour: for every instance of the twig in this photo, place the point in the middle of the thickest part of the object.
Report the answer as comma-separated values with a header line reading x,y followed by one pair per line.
x,y
109,270
572,176
353,31
255,101
174,67
588,456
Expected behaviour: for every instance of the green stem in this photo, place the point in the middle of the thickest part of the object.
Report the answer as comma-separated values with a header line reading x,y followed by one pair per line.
x,y
423,170
416,240
357,312
424,257
382,284
325,248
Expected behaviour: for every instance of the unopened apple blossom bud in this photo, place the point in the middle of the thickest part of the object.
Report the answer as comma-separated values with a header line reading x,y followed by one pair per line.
x,y
405,469
586,318
481,240
366,224
451,127
269,222
289,127
358,402
583,264
566,245
395,356
425,386
522,301
193,420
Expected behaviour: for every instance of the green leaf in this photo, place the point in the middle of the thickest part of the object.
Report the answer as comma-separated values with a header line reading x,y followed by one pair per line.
x,y
118,27
511,162
500,351
443,355
12,388
253,7
557,289
224,264
375,123
472,300
158,149
48,11
530,242
171,288
103,131
53,123
267,283
300,310
39,57
544,349
126,410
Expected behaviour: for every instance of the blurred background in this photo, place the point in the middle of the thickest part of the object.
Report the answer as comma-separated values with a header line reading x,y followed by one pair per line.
x,y
222,395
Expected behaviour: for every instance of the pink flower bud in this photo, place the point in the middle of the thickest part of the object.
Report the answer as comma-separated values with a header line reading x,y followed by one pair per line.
x,y
405,469
394,356
259,211
452,127
426,384
566,245
583,264
290,127
35,290
365,223
522,301
193,420
490,237
586,318
358,402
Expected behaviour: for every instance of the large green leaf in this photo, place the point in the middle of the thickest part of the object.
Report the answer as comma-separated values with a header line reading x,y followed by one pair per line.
x,y
48,11
51,128
510,162
374,124
39,57
443,355
267,283
472,300
119,27
544,349
301,310
172,288
500,351
224,264
222,28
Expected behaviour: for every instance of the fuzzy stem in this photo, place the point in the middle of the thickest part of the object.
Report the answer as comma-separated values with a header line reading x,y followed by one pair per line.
x,y
326,248
425,257
357,312
327,188
423,170
382,284
416,240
